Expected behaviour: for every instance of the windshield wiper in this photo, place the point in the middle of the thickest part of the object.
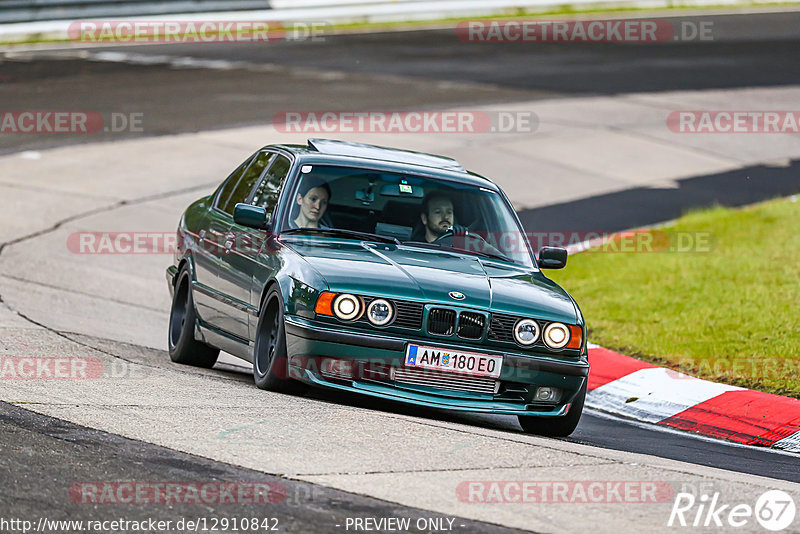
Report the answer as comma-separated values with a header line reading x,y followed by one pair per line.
x,y
341,232
440,246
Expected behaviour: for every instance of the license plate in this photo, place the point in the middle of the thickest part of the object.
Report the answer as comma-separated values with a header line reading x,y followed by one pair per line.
x,y
455,361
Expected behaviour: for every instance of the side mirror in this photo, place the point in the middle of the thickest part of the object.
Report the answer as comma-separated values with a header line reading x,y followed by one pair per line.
x,y
251,216
552,258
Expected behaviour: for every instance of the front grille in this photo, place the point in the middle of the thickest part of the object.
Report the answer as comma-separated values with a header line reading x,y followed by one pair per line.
x,y
441,321
441,380
409,314
501,327
470,325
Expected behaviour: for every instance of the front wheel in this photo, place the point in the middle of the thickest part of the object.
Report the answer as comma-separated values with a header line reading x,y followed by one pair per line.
x,y
270,362
555,426
183,347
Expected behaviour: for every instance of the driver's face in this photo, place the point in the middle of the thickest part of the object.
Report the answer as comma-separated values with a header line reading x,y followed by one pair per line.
x,y
314,204
439,217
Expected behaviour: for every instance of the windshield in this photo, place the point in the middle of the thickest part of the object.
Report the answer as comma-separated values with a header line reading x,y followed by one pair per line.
x,y
412,210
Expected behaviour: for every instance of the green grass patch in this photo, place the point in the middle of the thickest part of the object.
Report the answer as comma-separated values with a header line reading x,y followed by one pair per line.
x,y
727,311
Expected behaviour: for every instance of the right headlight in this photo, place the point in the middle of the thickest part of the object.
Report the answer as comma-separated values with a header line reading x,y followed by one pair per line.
x,y
556,335
347,307
380,312
526,331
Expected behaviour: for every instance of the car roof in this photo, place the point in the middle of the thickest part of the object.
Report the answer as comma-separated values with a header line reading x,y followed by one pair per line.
x,y
346,152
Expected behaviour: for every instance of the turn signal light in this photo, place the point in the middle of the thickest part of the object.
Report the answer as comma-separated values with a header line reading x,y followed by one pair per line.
x,y
324,303
577,337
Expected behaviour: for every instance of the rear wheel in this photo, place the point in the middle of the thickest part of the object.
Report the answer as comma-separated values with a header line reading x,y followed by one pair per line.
x,y
556,426
270,362
183,347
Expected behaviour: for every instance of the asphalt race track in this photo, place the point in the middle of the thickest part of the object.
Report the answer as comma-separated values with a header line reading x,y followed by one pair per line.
x,y
240,85
250,83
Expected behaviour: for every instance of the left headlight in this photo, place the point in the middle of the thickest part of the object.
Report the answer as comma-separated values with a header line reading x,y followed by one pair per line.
x,y
347,307
380,312
556,335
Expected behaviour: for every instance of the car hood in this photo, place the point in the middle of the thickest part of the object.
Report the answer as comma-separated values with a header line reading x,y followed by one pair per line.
x,y
412,273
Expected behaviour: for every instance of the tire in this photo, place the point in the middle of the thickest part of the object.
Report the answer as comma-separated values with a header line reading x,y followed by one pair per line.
x,y
555,426
183,347
270,361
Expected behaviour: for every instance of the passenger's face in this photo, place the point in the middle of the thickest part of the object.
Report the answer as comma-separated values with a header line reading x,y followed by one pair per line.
x,y
314,204
439,217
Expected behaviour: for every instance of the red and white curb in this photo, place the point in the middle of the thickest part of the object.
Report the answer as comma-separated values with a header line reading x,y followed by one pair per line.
x,y
638,390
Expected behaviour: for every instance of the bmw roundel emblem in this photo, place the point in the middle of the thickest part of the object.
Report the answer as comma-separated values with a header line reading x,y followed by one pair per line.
x,y
456,295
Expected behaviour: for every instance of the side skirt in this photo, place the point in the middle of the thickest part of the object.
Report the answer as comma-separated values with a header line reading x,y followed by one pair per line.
x,y
224,341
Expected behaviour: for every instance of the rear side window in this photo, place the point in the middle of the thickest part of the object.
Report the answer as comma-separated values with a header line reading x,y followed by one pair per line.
x,y
267,193
245,184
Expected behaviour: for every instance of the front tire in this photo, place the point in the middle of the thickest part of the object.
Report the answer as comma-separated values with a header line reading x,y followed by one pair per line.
x,y
183,347
558,426
270,361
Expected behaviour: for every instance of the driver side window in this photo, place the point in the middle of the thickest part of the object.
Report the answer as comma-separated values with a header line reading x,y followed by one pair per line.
x,y
269,189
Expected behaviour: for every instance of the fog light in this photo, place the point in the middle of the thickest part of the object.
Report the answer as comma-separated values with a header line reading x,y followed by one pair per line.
x,y
546,394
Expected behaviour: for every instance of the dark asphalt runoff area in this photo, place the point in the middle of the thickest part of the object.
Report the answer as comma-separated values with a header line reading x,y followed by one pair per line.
x,y
41,456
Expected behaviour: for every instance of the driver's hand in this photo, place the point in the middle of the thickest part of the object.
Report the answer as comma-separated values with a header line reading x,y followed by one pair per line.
x,y
459,230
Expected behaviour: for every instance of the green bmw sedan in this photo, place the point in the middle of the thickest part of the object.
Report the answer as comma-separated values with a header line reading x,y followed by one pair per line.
x,y
382,272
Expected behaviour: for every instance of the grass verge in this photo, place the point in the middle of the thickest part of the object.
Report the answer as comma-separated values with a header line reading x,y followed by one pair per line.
x,y
715,295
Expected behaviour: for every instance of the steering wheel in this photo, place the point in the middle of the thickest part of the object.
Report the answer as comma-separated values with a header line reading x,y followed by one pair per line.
x,y
453,231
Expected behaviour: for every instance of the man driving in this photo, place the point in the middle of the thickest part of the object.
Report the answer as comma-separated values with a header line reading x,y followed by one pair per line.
x,y
437,215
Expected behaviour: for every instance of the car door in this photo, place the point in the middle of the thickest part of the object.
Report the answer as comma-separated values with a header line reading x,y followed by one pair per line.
x,y
210,239
232,285
243,262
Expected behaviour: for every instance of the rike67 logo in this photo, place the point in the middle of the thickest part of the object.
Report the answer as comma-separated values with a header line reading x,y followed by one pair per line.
x,y
774,510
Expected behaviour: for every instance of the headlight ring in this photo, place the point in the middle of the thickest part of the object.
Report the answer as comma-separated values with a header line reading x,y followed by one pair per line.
x,y
347,307
526,332
380,312
556,335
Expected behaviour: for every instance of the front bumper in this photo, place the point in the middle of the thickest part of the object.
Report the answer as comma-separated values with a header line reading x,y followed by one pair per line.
x,y
309,342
